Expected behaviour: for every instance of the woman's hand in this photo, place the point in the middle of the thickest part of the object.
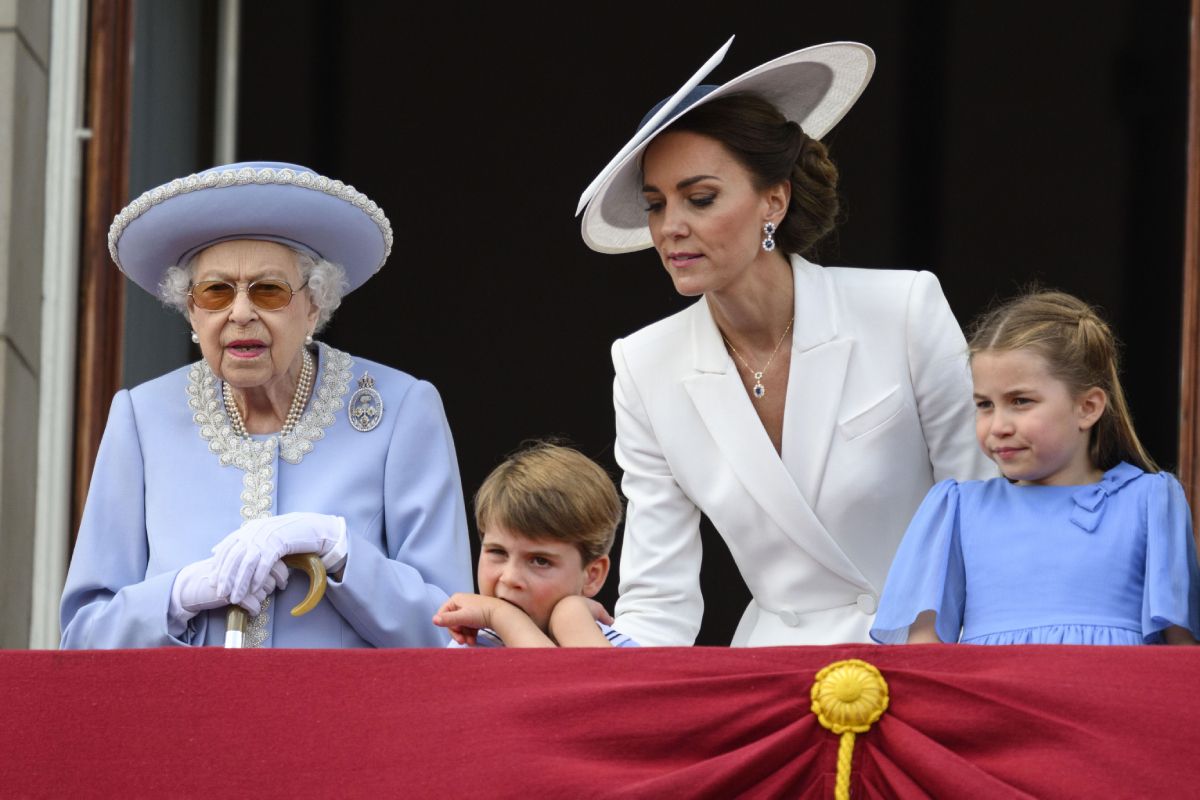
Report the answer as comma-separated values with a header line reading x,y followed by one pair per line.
x,y
599,612
249,555
195,590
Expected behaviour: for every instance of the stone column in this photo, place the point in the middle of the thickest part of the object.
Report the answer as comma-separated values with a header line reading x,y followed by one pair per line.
x,y
24,76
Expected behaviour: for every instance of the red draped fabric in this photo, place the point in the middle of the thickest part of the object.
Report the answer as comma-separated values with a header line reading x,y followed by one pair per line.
x,y
964,722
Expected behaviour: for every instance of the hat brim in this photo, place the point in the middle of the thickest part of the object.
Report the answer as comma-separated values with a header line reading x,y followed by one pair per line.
x,y
813,87
277,202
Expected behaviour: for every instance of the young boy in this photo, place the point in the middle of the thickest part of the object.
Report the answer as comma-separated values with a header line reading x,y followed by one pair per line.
x,y
546,517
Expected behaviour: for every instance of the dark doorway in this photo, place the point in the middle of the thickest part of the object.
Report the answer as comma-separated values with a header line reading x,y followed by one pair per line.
x,y
997,144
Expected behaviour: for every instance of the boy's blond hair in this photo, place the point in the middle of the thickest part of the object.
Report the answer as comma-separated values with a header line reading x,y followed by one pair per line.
x,y
548,491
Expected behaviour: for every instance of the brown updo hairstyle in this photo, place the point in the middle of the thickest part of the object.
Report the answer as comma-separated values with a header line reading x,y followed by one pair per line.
x,y
774,150
1081,351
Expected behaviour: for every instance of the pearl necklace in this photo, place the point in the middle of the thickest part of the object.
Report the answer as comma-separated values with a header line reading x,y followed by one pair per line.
x,y
759,390
299,400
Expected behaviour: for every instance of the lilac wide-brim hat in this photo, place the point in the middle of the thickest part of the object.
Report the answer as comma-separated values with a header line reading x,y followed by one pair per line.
x,y
267,200
813,87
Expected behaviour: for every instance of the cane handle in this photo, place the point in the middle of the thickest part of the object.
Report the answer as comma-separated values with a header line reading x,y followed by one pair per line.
x,y
311,565
236,619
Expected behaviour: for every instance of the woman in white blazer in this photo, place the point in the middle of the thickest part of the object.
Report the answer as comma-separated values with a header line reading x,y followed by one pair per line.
x,y
805,410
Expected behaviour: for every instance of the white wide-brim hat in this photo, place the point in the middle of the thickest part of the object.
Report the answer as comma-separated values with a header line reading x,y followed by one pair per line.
x,y
813,87
268,200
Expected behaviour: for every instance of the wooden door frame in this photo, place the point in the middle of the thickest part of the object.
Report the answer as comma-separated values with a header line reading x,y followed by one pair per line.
x,y
106,186
1189,401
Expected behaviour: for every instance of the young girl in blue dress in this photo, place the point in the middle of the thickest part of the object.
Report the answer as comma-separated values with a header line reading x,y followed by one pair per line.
x,y
1084,540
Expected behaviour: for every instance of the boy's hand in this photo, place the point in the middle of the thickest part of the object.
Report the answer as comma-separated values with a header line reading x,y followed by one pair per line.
x,y
464,614
599,612
573,622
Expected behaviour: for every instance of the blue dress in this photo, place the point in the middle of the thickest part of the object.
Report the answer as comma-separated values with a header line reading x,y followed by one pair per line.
x,y
172,479
1112,562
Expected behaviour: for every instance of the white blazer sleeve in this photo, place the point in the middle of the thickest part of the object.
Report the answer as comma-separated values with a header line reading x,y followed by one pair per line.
x,y
660,601
941,379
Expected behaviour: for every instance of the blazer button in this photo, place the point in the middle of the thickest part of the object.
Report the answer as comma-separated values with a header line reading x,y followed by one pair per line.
x,y
789,618
867,603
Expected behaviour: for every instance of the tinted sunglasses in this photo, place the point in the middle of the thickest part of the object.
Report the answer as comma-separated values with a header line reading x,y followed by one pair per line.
x,y
269,294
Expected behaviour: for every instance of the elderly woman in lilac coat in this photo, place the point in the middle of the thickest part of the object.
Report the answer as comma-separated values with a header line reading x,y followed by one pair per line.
x,y
271,444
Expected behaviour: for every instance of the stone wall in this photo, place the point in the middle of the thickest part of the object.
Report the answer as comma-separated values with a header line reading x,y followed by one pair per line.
x,y
24,75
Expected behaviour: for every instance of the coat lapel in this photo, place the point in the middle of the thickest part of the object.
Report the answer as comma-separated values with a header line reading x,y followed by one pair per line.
x,y
816,378
723,405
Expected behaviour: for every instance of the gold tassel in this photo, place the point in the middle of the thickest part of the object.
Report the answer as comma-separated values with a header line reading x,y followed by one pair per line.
x,y
848,697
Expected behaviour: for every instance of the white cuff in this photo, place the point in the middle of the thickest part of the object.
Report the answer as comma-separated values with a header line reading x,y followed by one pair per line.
x,y
177,617
335,558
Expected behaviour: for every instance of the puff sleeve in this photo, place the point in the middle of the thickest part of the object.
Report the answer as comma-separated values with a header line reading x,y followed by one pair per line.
x,y
927,573
1171,593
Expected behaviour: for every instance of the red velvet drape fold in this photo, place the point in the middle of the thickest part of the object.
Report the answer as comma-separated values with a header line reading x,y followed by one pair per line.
x,y
964,722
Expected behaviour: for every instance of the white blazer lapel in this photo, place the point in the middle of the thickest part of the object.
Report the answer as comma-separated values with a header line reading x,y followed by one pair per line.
x,y
815,380
721,401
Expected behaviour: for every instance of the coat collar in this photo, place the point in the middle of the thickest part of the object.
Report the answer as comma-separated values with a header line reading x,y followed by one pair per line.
x,y
816,320
786,491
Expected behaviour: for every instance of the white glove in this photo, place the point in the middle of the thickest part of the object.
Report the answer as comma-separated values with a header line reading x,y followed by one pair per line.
x,y
247,557
195,590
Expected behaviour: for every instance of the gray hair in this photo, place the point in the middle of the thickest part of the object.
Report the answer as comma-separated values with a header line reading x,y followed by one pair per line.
x,y
326,283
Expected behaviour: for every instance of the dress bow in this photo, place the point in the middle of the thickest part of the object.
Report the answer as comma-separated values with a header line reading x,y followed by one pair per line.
x,y
1089,500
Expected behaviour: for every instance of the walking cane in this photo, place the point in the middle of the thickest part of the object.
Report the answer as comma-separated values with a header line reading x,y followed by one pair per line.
x,y
309,563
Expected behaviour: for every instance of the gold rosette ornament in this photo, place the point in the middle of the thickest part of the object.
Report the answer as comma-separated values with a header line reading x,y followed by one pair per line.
x,y
848,697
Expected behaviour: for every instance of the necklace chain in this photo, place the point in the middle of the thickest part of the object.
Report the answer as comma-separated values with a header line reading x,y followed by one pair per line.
x,y
299,400
759,390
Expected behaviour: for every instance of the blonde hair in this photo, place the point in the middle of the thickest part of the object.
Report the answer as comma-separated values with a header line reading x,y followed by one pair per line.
x,y
548,491
1081,351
